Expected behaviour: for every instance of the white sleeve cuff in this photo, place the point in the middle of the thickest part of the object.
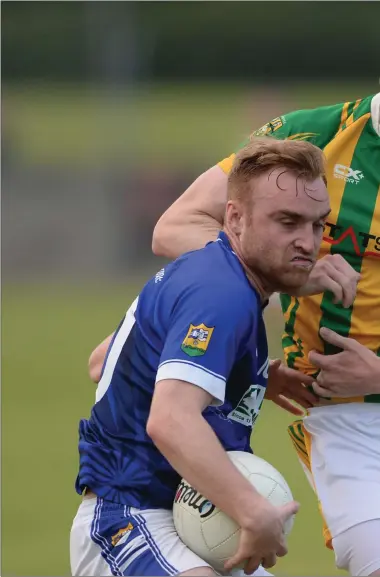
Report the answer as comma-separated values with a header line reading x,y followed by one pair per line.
x,y
196,375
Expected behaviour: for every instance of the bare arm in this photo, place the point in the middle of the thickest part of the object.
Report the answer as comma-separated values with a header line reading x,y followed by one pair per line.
x,y
184,437
96,360
177,427
195,218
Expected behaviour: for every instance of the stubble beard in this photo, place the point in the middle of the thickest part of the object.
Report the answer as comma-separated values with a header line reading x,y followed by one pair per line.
x,y
272,275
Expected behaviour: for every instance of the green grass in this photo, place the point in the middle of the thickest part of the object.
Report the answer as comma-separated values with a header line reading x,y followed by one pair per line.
x,y
47,335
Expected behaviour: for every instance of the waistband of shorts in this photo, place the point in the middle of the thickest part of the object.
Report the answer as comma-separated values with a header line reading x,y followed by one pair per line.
x,y
88,494
372,409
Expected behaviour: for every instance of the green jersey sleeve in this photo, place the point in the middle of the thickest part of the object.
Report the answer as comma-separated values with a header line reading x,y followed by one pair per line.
x,y
317,125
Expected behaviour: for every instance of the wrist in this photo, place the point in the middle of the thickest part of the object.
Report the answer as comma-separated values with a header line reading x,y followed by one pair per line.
x,y
251,506
374,384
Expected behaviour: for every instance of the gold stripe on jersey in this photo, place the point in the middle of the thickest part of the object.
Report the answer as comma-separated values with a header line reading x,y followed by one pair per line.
x,y
358,101
302,136
347,120
351,118
343,117
226,163
365,325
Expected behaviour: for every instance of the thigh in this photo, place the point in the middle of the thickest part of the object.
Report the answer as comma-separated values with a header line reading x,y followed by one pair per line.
x,y
357,549
129,541
165,553
86,555
301,440
345,463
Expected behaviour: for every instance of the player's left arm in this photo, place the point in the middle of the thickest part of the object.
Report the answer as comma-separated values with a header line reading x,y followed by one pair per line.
x,y
97,358
353,372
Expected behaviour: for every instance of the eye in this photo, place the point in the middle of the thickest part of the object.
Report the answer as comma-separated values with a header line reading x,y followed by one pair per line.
x,y
319,225
288,223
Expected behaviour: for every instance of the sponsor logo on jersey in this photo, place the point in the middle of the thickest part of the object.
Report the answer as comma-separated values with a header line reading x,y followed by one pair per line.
x,y
159,276
192,498
363,243
249,406
197,340
348,174
122,535
269,127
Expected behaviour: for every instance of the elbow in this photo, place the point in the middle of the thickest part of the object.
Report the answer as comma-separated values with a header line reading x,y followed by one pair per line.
x,y
94,368
157,245
156,429
160,242
163,430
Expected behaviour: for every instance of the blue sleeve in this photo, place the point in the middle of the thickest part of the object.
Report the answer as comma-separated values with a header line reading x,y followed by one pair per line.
x,y
208,332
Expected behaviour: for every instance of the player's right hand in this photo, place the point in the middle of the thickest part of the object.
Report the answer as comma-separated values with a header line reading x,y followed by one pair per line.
x,y
262,538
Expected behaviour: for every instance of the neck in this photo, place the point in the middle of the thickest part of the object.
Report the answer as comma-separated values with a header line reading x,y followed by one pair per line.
x,y
252,276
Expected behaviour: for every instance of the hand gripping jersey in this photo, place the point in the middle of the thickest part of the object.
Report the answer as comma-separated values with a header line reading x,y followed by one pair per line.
x,y
198,320
349,134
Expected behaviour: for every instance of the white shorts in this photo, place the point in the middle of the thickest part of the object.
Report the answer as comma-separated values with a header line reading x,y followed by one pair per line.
x,y
339,446
111,539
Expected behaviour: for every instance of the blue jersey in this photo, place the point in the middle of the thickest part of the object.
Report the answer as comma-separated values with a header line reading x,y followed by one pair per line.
x,y
198,320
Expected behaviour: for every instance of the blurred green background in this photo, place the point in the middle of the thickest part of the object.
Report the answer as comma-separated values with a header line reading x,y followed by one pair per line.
x,y
109,111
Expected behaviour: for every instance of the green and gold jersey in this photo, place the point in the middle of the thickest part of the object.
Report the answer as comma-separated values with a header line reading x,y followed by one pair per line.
x,y
349,135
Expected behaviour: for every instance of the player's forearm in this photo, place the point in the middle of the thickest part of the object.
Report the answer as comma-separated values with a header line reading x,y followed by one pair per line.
x,y
193,450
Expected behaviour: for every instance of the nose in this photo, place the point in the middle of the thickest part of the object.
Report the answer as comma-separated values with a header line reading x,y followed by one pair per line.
x,y
305,240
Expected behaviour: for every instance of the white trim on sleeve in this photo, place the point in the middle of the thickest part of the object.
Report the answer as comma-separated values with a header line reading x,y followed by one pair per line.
x,y
196,375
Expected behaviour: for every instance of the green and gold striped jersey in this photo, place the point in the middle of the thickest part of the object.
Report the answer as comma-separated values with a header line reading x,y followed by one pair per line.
x,y
349,134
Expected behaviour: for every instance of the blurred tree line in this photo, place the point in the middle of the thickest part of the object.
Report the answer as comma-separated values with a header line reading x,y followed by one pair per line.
x,y
161,41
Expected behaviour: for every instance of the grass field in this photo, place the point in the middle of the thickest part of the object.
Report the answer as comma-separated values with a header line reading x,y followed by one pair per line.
x,y
47,335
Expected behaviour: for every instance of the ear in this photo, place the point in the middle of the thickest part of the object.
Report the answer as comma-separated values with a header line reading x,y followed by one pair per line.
x,y
233,219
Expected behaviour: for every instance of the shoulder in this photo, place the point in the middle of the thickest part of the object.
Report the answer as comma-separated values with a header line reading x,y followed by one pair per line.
x,y
367,107
212,276
317,125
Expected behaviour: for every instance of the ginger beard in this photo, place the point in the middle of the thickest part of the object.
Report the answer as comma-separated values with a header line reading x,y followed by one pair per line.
x,y
279,231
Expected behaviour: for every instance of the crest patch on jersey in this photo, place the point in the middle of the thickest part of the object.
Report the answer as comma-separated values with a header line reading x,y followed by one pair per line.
x,y
197,340
122,535
271,126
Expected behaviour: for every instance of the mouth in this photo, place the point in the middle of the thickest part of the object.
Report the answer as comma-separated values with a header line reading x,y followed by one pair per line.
x,y
303,261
